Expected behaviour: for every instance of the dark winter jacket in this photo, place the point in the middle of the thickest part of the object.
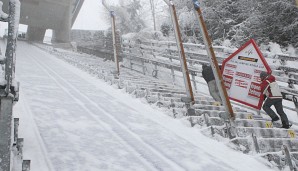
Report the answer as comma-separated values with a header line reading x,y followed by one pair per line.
x,y
207,73
270,88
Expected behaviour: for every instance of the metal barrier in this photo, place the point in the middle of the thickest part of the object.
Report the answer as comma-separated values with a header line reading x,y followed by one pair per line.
x,y
162,54
10,145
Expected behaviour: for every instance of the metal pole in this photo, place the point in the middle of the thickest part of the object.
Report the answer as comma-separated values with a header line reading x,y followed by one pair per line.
x,y
6,124
286,152
13,24
193,76
183,63
213,62
6,101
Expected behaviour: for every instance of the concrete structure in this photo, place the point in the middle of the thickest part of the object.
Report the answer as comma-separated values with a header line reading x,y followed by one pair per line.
x,y
40,15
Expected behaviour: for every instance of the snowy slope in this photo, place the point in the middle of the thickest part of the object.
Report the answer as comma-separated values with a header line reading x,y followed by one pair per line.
x,y
74,122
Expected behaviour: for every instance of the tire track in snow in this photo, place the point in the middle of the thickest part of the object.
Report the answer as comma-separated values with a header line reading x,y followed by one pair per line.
x,y
128,148
151,155
36,133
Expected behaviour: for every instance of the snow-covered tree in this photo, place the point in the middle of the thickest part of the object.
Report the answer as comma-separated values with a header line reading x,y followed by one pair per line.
x,y
166,28
128,16
279,21
235,20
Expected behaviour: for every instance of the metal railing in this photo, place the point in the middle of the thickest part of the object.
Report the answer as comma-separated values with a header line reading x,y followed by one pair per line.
x,y
164,54
11,147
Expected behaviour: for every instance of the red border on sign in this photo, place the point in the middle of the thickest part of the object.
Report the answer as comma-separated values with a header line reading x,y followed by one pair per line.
x,y
251,41
248,104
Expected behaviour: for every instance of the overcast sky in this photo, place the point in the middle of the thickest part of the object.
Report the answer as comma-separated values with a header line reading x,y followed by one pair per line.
x,y
91,16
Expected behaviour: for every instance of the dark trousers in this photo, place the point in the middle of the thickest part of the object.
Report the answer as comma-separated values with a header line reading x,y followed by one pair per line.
x,y
279,109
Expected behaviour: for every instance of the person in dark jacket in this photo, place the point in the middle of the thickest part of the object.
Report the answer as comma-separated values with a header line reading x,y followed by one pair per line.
x,y
271,92
208,75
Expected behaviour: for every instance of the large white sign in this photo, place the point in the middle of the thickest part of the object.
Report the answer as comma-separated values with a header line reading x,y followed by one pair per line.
x,y
241,74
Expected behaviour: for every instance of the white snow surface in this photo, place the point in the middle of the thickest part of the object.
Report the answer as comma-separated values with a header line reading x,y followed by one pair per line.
x,y
71,121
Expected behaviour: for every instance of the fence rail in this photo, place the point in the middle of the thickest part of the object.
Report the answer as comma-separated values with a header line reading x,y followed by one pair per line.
x,y
165,55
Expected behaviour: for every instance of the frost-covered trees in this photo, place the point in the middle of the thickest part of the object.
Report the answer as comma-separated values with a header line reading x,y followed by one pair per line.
x,y
165,28
235,20
240,20
279,21
128,16
263,20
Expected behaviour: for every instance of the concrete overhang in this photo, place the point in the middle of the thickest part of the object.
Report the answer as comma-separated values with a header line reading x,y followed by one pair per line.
x,y
47,14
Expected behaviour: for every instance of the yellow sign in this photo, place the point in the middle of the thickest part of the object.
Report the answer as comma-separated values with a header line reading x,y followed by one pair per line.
x,y
247,59
268,124
250,116
216,103
291,133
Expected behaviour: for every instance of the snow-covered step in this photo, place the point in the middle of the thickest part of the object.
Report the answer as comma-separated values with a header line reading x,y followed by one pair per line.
x,y
240,122
140,79
205,121
199,108
266,132
134,78
171,91
265,145
253,123
208,107
170,104
143,81
217,113
153,86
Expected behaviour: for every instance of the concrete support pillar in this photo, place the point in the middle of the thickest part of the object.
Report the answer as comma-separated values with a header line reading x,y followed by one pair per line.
x,y
62,34
35,33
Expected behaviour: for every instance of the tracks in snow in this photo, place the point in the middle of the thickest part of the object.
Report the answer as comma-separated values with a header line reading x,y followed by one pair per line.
x,y
151,157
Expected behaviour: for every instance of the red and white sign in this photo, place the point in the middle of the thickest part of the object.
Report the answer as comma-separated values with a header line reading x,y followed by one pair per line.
x,y
241,74
241,83
228,81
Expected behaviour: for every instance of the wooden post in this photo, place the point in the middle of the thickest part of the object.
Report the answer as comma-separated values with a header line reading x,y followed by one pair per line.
x,y
114,43
214,63
112,13
183,62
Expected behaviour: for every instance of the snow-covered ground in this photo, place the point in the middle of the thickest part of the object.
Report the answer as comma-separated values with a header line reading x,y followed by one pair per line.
x,y
72,121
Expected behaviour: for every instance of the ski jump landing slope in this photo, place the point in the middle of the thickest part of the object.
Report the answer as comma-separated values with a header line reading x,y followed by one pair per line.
x,y
72,121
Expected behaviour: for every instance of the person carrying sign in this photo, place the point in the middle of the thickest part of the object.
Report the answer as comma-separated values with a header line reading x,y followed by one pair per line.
x,y
208,75
270,89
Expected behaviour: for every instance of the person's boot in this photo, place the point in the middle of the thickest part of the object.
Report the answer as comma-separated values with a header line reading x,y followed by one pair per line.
x,y
286,126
